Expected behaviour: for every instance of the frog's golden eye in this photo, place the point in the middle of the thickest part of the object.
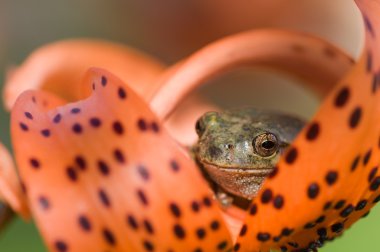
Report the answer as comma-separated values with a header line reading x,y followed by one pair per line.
x,y
265,144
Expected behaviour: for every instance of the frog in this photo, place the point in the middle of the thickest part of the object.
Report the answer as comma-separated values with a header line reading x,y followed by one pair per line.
x,y
238,149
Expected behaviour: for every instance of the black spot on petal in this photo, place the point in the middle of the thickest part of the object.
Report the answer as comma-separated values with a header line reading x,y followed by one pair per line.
x,y
77,128
148,245
79,160
331,177
179,231
355,117
266,196
35,163
29,115
103,168
44,202
121,93
142,125
347,211
342,97
75,110
118,128
104,199
61,246
57,118
313,131
367,157
313,191
339,204
372,174
24,127
119,156
84,223
361,205
132,222
195,206
222,245
214,225
142,197
71,174
263,237
278,201
174,209
243,230
375,184
337,227
95,122
253,209
201,233
355,163
291,155
109,237
148,227
174,166
104,81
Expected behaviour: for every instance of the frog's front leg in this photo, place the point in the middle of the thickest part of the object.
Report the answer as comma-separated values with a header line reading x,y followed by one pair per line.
x,y
224,199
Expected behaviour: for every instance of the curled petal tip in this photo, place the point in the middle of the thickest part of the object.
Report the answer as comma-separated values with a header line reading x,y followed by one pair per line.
x,y
69,59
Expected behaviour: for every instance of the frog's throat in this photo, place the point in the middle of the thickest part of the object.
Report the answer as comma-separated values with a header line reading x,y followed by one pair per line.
x,y
244,183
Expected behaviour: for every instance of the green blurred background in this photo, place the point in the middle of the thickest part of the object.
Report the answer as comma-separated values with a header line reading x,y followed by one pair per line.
x,y
170,30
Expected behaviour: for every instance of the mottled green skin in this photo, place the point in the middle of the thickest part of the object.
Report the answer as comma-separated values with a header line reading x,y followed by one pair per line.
x,y
226,152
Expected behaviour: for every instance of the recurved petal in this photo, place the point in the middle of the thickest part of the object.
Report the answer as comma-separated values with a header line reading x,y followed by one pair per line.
x,y
329,177
58,68
310,58
102,174
10,187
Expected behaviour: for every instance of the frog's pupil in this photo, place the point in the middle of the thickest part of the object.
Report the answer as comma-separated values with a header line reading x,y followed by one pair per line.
x,y
268,145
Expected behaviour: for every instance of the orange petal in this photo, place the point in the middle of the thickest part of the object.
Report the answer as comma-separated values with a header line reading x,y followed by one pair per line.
x,y
10,187
58,67
103,175
329,177
307,57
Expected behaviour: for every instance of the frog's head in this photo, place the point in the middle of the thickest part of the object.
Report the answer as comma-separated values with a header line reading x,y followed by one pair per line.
x,y
243,144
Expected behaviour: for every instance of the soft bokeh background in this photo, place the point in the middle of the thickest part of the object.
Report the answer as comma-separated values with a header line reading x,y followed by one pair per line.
x,y
170,30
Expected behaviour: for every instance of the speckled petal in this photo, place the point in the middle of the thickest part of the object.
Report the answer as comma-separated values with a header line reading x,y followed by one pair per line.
x,y
102,174
58,68
329,177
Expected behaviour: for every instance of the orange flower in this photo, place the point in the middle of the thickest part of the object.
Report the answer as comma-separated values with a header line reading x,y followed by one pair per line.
x,y
102,172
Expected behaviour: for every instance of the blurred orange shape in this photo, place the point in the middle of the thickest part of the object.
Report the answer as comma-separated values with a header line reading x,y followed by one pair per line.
x,y
10,188
59,67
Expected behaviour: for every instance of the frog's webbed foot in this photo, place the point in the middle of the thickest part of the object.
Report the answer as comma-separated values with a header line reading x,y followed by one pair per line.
x,y
6,215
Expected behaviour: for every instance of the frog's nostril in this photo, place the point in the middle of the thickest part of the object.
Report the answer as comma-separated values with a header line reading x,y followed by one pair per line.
x,y
214,151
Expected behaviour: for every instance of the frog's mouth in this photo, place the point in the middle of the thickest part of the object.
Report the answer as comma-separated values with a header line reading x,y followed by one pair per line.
x,y
249,171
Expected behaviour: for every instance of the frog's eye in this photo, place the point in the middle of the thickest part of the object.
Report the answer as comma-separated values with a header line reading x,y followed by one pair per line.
x,y
265,144
208,119
200,127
